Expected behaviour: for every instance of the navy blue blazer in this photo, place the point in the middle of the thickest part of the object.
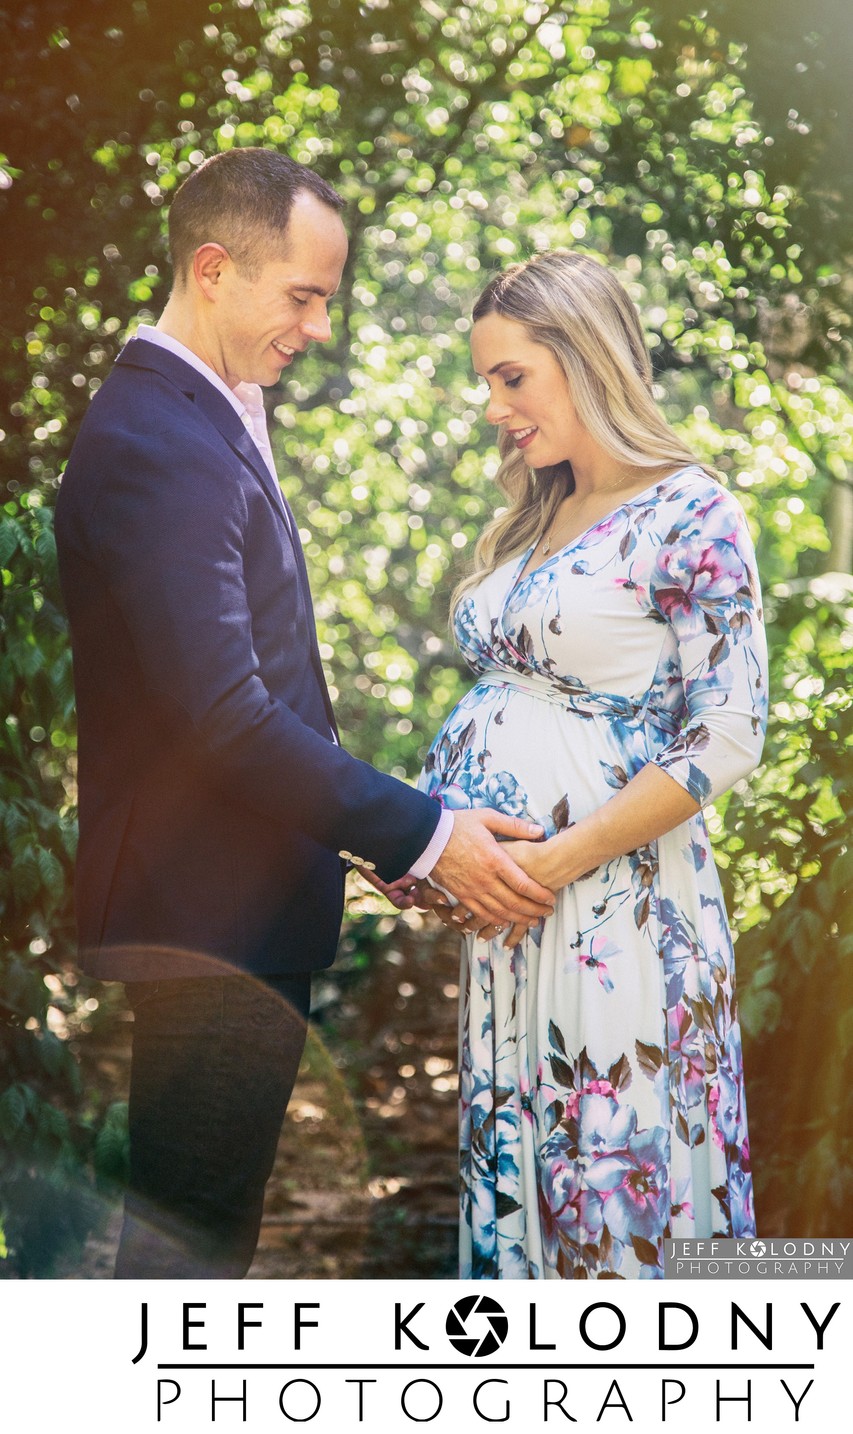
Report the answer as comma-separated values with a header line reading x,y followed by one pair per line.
x,y
213,799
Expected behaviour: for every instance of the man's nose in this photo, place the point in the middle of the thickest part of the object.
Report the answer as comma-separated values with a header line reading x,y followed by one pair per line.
x,y
318,328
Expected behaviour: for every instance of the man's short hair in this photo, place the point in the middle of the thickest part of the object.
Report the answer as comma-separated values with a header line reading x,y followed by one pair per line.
x,y
242,200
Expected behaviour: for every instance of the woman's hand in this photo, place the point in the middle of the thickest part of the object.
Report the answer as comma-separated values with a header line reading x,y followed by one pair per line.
x,y
537,860
651,804
544,861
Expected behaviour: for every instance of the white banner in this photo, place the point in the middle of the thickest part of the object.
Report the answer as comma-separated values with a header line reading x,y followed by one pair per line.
x,y
102,1357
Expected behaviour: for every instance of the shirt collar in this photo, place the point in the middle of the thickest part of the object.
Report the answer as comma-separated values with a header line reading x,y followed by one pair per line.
x,y
174,346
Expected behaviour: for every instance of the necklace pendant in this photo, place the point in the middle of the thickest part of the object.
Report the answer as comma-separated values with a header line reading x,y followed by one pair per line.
x,y
546,548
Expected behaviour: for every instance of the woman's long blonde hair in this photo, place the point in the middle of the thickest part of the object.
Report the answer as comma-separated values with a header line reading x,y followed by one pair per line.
x,y
575,307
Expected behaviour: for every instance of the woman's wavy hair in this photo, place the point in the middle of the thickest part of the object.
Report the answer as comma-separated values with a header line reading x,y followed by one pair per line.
x,y
575,307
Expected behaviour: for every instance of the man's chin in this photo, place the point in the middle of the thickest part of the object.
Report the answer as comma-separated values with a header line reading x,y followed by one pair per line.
x,y
270,375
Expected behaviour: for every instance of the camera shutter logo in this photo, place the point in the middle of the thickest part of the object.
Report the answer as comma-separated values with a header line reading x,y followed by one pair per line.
x,y
757,1249
477,1326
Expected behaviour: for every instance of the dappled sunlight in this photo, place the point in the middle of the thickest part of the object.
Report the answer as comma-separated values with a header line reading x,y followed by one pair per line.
x,y
708,161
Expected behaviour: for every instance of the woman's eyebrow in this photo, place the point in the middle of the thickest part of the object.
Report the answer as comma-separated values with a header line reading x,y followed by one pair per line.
x,y
504,363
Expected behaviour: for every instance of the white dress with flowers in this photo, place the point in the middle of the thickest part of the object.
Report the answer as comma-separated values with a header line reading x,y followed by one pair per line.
x,y
601,1082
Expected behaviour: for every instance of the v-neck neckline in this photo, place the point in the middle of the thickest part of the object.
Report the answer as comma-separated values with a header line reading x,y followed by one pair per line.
x,y
518,580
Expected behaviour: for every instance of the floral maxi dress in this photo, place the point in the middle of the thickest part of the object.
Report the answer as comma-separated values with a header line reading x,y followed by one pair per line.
x,y
601,1082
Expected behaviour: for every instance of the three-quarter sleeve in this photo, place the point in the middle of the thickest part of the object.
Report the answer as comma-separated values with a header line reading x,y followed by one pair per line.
x,y
704,585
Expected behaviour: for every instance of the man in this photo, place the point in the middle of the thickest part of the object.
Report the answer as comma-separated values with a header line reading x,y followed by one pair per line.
x,y
217,808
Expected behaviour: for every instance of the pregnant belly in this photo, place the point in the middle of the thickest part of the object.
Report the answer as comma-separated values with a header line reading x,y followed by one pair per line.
x,y
529,756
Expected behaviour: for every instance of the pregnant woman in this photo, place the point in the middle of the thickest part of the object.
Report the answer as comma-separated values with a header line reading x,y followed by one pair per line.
x,y
613,621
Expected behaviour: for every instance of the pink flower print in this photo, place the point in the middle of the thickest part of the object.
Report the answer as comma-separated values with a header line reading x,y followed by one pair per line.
x,y
595,1087
695,578
679,1202
633,1186
595,959
713,1102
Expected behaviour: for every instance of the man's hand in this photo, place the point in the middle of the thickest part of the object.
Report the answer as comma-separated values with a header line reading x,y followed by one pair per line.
x,y
485,880
449,913
402,893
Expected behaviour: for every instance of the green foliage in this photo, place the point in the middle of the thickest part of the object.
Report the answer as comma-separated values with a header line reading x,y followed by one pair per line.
x,y
789,863
45,1197
110,1155
701,150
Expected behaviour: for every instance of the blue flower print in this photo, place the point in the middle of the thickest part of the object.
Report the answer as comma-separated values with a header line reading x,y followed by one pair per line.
x,y
501,791
741,1214
571,1213
604,1125
469,639
728,1115
634,1186
536,587
601,1085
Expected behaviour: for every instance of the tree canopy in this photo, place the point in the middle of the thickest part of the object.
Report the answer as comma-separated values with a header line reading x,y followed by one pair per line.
x,y
701,149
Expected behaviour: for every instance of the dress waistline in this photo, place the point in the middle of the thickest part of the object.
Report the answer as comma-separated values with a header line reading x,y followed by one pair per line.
x,y
584,702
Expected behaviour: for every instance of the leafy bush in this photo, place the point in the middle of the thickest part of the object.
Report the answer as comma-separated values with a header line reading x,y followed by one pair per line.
x,y
699,149
44,1144
789,868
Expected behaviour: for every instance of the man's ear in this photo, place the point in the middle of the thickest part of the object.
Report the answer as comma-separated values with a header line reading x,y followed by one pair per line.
x,y
210,262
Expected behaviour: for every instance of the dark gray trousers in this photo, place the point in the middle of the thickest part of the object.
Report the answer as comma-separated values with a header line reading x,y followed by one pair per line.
x,y
213,1067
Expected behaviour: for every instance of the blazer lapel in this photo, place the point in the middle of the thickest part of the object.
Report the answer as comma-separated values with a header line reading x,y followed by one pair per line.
x,y
215,407
140,353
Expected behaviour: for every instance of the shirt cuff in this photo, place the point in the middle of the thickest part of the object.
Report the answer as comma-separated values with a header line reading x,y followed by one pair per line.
x,y
440,837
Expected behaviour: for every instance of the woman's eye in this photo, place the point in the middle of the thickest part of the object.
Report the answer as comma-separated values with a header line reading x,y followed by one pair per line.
x,y
513,382
300,302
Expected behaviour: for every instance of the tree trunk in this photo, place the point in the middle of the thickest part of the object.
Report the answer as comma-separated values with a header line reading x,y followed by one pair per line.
x,y
839,559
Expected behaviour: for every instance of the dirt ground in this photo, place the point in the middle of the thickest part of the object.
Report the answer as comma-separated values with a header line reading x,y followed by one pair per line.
x,y
364,1185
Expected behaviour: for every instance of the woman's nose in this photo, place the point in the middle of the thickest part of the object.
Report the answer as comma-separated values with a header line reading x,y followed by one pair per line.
x,y
497,411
